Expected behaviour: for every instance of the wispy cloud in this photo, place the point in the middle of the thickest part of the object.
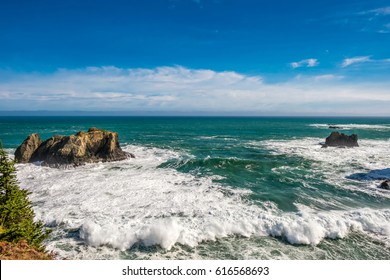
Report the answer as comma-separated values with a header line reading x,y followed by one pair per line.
x,y
376,19
320,78
380,11
354,60
166,89
311,62
363,59
385,29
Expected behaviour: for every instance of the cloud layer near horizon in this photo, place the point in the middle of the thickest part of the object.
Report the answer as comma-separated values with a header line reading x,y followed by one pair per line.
x,y
179,89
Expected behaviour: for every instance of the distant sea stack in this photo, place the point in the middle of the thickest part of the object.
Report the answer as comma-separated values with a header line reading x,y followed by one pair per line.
x,y
337,139
84,147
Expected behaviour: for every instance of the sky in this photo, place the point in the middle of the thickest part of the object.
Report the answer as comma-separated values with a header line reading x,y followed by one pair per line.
x,y
206,57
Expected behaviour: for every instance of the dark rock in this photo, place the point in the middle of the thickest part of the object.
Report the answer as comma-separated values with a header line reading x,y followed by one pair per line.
x,y
334,127
337,139
24,152
93,146
385,185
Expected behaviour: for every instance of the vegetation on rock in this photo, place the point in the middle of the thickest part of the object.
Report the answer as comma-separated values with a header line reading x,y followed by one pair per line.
x,y
22,251
17,223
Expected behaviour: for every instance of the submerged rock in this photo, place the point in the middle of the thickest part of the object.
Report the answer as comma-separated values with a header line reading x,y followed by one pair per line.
x,y
334,127
337,139
24,152
83,147
385,185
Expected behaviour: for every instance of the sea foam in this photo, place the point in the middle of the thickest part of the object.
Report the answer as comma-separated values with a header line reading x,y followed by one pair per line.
x,y
378,127
339,166
114,206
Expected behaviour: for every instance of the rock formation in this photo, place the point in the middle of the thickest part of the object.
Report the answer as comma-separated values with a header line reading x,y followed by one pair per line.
x,y
24,152
385,185
337,139
84,147
334,127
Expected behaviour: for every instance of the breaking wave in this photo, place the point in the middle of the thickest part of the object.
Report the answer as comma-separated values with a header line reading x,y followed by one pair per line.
x,y
120,204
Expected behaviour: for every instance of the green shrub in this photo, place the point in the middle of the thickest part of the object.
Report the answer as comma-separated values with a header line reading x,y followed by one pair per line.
x,y
16,214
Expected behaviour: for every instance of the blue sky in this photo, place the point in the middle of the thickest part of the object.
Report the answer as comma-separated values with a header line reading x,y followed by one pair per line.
x,y
245,57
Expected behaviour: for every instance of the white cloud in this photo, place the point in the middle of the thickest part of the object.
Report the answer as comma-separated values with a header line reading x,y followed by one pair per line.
x,y
319,78
311,62
364,59
179,89
353,60
386,29
374,20
381,11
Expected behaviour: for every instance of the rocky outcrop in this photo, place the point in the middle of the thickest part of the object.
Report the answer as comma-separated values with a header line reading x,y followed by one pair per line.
x,y
385,185
24,152
84,147
337,139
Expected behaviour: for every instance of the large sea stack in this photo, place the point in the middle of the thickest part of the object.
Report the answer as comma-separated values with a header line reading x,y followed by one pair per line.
x,y
337,139
84,147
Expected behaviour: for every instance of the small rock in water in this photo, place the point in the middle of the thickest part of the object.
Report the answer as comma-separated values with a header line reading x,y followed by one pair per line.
x,y
334,127
385,185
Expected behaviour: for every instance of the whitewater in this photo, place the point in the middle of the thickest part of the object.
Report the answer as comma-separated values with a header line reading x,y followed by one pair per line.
x,y
220,195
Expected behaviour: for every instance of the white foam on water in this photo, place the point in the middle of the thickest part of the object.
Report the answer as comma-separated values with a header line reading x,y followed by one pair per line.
x,y
112,206
341,165
378,127
10,152
207,137
219,137
311,227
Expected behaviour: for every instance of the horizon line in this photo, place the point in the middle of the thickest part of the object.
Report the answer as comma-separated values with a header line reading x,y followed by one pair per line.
x,y
81,113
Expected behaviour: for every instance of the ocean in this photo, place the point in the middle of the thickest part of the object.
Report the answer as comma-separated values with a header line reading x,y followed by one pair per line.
x,y
214,188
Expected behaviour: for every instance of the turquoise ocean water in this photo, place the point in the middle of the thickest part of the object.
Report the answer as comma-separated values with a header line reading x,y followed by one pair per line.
x,y
215,188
